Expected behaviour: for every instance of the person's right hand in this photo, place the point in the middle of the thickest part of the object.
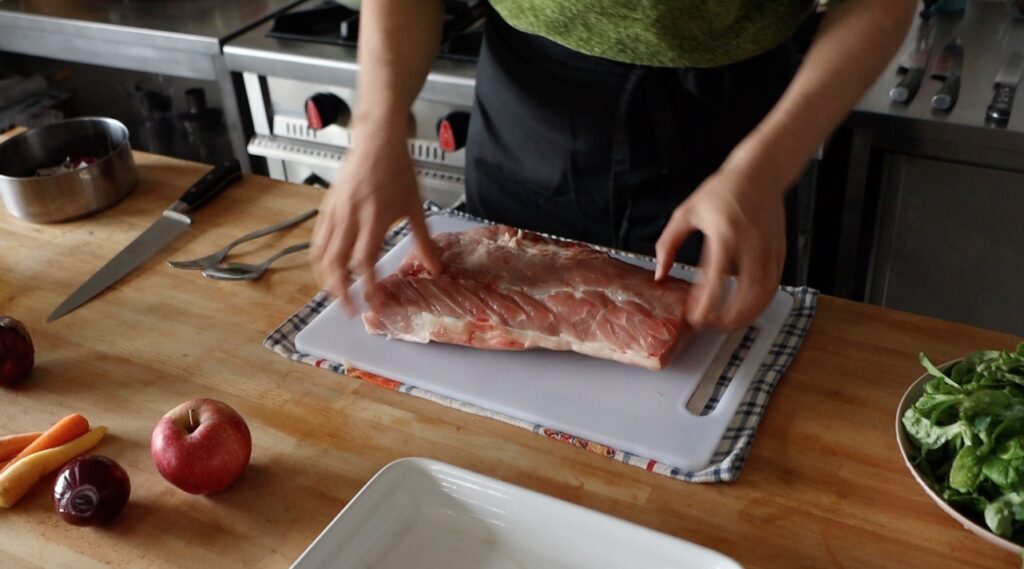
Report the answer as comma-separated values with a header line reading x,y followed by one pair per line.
x,y
375,188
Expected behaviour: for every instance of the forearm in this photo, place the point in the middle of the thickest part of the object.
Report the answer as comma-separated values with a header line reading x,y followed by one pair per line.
x,y
855,42
398,41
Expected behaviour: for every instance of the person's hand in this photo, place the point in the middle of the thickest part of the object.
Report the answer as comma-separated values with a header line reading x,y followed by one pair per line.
x,y
375,188
742,216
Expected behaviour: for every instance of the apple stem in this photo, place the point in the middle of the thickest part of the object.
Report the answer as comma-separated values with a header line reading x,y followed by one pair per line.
x,y
191,420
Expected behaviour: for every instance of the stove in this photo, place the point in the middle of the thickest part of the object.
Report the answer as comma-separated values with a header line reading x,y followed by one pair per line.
x,y
299,73
332,23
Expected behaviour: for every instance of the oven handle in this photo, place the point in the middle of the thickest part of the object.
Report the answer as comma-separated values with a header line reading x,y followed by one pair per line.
x,y
290,150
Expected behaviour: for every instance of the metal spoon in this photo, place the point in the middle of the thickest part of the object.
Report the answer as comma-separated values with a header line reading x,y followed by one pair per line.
x,y
218,256
249,272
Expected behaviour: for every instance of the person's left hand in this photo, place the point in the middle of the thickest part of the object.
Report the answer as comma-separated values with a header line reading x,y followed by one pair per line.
x,y
742,216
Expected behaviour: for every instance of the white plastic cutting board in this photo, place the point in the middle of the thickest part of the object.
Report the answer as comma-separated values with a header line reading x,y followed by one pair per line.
x,y
627,408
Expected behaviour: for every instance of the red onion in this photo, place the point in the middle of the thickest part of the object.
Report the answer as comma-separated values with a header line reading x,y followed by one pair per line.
x,y
16,352
91,490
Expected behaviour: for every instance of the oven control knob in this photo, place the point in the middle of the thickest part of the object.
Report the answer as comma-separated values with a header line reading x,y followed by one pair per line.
x,y
325,109
452,130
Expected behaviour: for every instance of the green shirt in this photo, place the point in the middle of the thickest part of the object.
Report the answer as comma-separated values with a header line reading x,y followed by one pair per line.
x,y
662,33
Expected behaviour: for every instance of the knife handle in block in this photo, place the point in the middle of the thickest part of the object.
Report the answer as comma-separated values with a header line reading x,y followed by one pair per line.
x,y
211,185
946,96
906,89
998,110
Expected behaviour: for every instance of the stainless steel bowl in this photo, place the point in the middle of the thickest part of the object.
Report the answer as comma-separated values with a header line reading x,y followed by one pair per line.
x,y
67,195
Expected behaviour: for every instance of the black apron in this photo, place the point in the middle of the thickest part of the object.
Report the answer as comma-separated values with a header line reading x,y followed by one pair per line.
x,y
600,151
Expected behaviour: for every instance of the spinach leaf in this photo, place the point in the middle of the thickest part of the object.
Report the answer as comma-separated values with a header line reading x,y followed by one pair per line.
x,y
934,371
1012,449
1007,474
933,404
962,370
966,472
931,436
969,502
1003,511
999,517
984,402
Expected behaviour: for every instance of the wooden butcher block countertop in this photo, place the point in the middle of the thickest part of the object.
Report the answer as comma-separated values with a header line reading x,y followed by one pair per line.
x,y
824,485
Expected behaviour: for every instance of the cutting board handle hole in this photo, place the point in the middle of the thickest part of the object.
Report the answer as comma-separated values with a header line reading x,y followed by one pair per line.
x,y
721,371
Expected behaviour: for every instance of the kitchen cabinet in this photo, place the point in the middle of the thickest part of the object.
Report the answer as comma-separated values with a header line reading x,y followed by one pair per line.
x,y
948,242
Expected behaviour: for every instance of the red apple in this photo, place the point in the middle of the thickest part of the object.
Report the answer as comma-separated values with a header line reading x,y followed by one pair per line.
x,y
201,446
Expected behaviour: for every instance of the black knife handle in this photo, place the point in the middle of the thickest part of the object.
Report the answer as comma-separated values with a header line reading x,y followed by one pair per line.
x,y
998,110
212,184
906,89
946,96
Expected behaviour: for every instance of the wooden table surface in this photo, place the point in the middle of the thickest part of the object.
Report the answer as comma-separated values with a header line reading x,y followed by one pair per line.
x,y
824,485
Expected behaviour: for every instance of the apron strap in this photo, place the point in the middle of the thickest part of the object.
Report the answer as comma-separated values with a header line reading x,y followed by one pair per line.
x,y
653,88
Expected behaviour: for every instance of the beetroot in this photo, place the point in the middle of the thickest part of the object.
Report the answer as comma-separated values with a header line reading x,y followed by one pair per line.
x,y
16,351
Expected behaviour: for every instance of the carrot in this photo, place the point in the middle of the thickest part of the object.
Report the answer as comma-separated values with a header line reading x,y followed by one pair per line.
x,y
22,474
66,430
11,445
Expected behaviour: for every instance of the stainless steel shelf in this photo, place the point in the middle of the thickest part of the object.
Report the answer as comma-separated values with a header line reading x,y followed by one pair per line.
x,y
989,35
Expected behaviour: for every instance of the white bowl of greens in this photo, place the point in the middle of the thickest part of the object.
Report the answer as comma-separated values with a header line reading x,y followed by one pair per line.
x,y
960,428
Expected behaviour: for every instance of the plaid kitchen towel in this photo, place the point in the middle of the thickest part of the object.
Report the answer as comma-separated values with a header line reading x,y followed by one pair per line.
x,y
732,450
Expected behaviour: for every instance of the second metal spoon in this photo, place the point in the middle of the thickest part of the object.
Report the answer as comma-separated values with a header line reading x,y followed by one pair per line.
x,y
218,256
249,272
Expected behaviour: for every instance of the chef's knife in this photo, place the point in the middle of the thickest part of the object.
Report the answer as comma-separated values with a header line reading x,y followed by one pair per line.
x,y
913,64
948,67
1007,79
172,223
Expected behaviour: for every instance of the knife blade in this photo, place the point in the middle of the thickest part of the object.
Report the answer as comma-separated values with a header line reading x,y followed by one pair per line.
x,y
998,110
913,64
173,222
948,67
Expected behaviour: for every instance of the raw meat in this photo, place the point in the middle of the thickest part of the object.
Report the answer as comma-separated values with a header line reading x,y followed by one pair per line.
x,y
508,289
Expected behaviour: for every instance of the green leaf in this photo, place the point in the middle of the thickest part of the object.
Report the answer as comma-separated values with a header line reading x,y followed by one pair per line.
x,y
1010,378
938,385
984,402
983,428
928,435
966,472
1012,449
930,401
934,371
1006,474
1003,511
999,517
961,372
972,502
933,404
